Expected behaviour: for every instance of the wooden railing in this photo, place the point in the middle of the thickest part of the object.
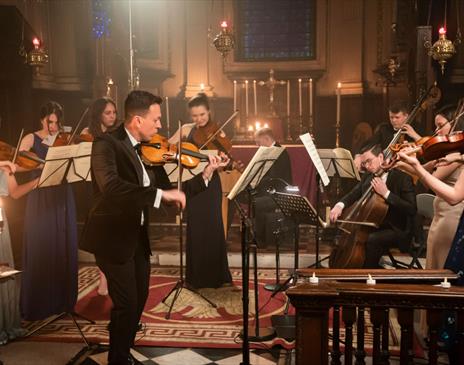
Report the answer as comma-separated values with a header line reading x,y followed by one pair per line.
x,y
313,302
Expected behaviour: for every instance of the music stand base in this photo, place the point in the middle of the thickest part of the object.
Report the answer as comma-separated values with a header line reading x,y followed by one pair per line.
x,y
180,285
264,334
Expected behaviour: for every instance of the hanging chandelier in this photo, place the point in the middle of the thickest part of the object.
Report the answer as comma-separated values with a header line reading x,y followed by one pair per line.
x,y
37,58
224,42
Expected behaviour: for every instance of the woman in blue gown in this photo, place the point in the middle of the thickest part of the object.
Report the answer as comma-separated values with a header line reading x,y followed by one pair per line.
x,y
49,281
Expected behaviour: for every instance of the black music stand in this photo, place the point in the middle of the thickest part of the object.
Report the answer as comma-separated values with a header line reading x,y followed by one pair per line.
x,y
299,209
59,172
250,178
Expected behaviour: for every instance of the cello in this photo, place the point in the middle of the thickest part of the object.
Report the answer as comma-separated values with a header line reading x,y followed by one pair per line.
x,y
371,209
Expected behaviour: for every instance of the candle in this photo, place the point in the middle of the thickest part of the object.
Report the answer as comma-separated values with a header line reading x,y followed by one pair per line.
x,y
369,280
235,95
339,87
167,116
288,98
202,87
314,279
310,98
255,97
445,283
246,98
300,105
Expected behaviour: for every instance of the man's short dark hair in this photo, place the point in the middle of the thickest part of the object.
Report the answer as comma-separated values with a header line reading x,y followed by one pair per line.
x,y
266,131
138,102
399,106
376,149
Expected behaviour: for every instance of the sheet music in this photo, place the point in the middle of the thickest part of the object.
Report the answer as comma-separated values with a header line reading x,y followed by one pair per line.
x,y
80,170
259,165
342,159
187,174
56,163
312,151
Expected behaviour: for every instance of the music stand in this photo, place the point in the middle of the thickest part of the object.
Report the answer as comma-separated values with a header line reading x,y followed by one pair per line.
x,y
337,163
259,165
299,209
57,171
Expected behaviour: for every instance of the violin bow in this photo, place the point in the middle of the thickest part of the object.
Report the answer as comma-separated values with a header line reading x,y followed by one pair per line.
x,y
78,124
457,114
15,155
219,129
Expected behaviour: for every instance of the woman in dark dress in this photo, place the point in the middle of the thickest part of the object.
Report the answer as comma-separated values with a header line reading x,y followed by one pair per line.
x,y
206,254
49,280
102,119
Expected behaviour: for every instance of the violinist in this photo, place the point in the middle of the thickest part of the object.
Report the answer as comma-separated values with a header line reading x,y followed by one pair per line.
x,y
206,253
102,114
446,216
49,280
116,231
10,319
398,113
102,117
397,189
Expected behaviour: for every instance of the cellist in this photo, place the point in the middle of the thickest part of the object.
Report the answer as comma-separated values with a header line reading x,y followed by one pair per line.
x,y
397,189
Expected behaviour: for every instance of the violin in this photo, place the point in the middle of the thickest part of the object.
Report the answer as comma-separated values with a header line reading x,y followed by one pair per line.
x,y
211,136
66,138
159,151
25,159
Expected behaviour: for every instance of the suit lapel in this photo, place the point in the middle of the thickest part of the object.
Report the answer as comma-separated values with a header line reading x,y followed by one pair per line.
x,y
132,154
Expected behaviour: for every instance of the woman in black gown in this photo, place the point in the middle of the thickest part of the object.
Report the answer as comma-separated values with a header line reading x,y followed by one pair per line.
x,y
206,253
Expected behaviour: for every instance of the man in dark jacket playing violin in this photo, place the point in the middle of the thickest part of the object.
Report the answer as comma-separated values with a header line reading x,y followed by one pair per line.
x,y
397,189
116,230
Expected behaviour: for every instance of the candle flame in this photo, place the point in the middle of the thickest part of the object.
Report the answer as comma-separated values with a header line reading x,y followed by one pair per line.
x,y
223,24
339,85
235,81
202,87
254,81
442,30
314,274
246,81
250,128
36,42
370,276
299,80
266,125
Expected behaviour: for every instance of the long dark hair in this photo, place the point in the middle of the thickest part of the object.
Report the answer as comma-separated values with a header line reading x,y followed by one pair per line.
x,y
95,113
52,107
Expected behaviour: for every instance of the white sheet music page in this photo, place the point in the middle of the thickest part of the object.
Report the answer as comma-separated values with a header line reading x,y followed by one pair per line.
x,y
56,163
80,170
312,151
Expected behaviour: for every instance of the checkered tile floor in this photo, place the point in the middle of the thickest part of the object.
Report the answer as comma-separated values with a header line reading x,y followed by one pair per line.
x,y
193,356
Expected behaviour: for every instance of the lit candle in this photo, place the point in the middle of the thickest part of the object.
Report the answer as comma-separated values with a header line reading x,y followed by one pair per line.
x,y
202,87
246,98
167,116
300,105
235,95
255,99
288,98
339,88
310,98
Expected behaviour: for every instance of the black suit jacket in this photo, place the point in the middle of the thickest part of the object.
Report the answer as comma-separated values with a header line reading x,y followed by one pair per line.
x,y
112,228
401,201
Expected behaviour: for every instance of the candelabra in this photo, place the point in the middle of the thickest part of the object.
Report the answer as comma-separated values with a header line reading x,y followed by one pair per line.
x,y
224,42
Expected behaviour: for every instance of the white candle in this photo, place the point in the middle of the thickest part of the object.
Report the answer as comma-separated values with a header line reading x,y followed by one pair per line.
x,y
235,95
339,87
246,98
369,280
314,279
255,99
300,105
202,87
310,98
288,98
167,115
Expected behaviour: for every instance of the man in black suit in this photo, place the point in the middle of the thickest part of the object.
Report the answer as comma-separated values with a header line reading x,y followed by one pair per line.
x,y
116,230
397,189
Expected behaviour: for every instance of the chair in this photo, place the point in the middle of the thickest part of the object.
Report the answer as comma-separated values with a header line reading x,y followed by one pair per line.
x,y
418,246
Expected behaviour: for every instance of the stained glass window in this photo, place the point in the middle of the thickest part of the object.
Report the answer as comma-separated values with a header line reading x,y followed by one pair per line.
x,y
275,30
